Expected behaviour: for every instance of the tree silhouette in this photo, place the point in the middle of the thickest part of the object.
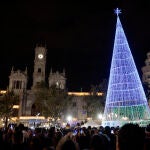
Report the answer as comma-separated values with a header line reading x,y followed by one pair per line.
x,y
7,101
51,102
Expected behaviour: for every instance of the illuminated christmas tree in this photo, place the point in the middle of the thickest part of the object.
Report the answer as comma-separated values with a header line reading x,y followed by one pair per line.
x,y
125,100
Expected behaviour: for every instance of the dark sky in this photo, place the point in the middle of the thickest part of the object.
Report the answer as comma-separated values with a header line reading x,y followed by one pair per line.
x,y
79,36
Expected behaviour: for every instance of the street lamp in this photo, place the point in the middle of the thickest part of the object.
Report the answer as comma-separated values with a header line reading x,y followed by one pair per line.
x,y
37,119
100,116
69,118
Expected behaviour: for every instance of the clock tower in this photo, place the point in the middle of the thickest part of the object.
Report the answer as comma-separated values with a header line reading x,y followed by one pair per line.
x,y
39,65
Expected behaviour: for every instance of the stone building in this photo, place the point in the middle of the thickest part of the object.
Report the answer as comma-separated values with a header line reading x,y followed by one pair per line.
x,y
146,75
18,83
146,71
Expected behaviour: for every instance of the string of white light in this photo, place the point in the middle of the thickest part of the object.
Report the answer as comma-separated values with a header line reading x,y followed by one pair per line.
x,y
125,95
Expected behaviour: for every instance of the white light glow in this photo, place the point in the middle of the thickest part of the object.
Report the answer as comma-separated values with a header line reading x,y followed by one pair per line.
x,y
125,94
69,118
100,116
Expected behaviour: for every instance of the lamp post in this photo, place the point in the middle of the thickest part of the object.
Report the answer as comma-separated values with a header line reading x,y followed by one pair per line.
x,y
69,119
37,115
100,117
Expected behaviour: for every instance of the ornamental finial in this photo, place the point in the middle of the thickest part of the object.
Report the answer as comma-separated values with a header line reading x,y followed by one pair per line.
x,y
117,11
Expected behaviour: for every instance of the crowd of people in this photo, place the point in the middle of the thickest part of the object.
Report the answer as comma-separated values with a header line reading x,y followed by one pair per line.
x,y
128,137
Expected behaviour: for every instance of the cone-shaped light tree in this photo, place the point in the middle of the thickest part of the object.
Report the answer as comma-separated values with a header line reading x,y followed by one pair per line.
x,y
125,100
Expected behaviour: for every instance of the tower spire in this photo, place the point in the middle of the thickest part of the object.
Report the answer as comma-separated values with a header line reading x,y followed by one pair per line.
x,y
12,69
51,72
64,71
26,70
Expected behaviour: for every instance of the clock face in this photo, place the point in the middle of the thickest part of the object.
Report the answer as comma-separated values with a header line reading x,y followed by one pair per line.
x,y
40,56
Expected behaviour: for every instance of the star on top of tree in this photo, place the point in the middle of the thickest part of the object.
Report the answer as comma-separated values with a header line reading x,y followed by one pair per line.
x,y
117,11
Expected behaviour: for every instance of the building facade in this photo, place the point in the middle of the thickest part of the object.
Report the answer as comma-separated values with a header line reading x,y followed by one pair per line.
x,y
146,76
18,81
146,71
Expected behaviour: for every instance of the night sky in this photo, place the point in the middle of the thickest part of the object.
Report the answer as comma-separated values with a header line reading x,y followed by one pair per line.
x,y
79,37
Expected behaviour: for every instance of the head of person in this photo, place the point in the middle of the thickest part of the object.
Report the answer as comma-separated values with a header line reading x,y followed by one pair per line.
x,y
99,142
67,143
130,136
